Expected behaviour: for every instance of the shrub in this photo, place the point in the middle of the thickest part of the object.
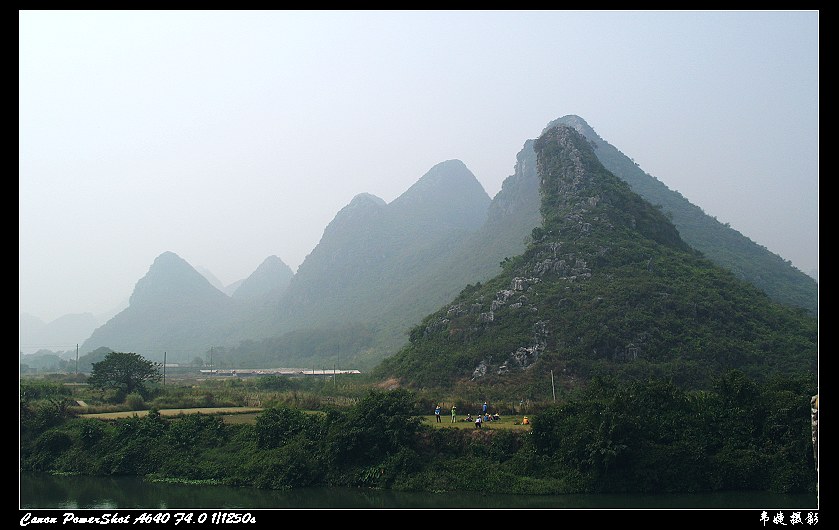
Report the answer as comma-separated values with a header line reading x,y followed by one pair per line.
x,y
135,401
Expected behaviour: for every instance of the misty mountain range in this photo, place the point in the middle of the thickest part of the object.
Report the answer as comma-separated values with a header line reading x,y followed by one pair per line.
x,y
380,268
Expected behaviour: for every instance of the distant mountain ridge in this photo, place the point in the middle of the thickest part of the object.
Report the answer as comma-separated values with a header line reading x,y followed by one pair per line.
x,y
380,268
171,282
61,334
173,309
371,250
364,258
270,278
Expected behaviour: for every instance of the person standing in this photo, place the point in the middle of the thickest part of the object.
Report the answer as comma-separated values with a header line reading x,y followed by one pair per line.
x,y
478,422
437,414
454,414
485,408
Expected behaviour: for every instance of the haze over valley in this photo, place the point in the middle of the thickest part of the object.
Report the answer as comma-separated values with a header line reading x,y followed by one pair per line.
x,y
290,186
381,267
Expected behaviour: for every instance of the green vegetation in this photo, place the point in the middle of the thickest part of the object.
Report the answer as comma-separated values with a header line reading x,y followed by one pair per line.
x,y
613,436
125,374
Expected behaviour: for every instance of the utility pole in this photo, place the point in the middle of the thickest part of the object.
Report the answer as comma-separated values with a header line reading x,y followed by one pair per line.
x,y
553,388
77,359
164,368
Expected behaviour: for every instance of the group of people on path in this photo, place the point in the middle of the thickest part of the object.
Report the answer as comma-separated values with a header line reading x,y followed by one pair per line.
x,y
479,419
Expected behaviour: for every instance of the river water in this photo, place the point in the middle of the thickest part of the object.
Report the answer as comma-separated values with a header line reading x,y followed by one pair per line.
x,y
78,492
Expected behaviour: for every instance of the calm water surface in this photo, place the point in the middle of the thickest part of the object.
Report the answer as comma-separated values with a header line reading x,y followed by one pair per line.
x,y
61,492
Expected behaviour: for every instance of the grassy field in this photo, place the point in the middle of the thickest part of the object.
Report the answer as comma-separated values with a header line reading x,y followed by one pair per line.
x,y
506,422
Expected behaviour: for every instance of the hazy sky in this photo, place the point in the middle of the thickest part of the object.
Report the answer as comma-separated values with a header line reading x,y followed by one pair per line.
x,y
229,136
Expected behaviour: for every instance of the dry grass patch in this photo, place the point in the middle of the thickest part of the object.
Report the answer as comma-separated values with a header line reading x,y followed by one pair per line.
x,y
172,412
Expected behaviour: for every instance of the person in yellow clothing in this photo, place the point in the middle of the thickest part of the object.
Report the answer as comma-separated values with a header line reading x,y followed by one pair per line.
x,y
454,414
525,421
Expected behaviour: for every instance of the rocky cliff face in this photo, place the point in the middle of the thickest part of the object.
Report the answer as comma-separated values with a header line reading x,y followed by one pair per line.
x,y
606,285
519,195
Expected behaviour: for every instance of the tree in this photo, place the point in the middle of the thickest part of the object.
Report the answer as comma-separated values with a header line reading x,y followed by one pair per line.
x,y
378,426
124,372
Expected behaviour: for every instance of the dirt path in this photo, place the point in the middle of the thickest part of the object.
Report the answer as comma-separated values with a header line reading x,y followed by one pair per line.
x,y
171,412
